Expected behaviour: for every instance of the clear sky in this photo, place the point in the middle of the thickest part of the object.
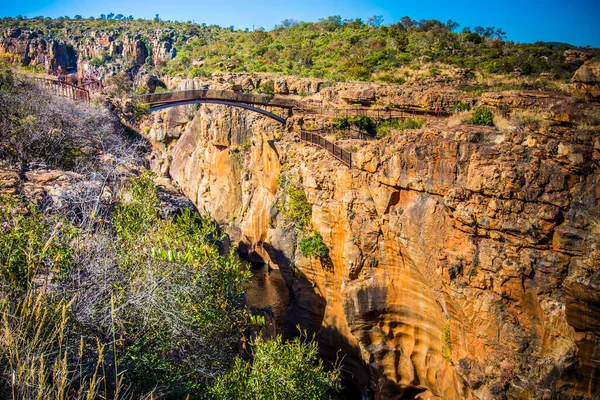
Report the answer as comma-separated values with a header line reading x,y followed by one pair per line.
x,y
575,21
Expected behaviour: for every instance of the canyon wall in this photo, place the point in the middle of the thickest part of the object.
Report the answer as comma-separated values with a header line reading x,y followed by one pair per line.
x,y
463,262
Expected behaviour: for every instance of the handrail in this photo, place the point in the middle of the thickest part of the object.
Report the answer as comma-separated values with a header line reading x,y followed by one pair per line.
x,y
163,98
64,89
314,138
305,106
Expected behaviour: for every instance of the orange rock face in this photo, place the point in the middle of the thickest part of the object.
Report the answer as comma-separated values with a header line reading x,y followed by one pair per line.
x,y
457,269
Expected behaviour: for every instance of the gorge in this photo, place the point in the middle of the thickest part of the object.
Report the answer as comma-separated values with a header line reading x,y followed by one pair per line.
x,y
460,258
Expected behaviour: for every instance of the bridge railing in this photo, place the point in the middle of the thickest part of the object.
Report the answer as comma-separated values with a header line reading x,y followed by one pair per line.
x,y
64,89
92,86
161,98
305,106
342,155
318,108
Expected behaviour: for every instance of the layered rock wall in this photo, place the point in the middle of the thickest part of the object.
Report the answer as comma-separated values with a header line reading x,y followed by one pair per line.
x,y
461,264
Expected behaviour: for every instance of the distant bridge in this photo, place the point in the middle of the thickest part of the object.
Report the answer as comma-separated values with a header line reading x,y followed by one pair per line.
x,y
249,101
254,102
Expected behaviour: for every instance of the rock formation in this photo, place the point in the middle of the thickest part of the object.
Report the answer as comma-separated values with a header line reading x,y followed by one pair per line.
x,y
463,262
587,80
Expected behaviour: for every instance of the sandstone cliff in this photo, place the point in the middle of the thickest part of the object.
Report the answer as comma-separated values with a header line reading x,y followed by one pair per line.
x,y
463,262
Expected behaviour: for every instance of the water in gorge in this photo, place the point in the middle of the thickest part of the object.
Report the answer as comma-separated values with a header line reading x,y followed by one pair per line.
x,y
266,288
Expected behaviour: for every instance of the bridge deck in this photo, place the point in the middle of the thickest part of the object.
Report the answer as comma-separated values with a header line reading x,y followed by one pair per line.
x,y
180,96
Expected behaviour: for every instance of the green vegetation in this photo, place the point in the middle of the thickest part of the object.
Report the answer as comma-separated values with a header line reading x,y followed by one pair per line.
x,y
103,294
31,242
331,48
295,208
293,205
279,370
384,128
482,116
447,340
311,246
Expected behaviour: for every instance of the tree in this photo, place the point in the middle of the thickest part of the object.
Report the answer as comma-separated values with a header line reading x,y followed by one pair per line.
x,y
451,25
279,370
77,17
102,16
375,20
288,23
156,18
119,17
110,16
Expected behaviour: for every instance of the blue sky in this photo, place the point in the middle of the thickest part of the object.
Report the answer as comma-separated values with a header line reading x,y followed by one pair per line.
x,y
574,21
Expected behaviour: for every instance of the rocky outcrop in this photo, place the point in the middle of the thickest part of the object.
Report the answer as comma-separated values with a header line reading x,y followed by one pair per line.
x,y
458,268
118,51
586,80
30,49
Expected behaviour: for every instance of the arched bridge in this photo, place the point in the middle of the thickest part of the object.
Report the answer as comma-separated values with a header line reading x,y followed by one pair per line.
x,y
250,101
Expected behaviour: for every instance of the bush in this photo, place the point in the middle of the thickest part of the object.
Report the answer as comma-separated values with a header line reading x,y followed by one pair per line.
x,y
447,340
32,243
279,370
482,116
384,128
362,122
267,87
311,246
340,123
39,126
295,208
412,123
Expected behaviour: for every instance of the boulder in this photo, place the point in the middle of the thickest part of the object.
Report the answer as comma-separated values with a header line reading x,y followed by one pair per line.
x,y
361,96
586,80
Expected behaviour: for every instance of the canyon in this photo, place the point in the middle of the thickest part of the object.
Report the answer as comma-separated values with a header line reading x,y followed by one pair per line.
x,y
463,260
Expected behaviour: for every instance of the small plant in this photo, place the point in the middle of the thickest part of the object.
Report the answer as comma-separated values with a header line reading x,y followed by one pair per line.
x,y
294,206
311,246
267,87
362,122
482,116
258,320
340,123
140,110
412,123
447,339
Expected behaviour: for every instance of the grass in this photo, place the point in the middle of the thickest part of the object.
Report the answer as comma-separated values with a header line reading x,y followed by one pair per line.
x,y
41,358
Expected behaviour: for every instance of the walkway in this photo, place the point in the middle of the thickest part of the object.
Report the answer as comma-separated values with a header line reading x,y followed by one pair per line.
x,y
161,100
64,89
314,138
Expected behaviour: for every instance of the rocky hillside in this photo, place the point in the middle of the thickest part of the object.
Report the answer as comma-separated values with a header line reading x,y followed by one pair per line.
x,y
333,49
462,260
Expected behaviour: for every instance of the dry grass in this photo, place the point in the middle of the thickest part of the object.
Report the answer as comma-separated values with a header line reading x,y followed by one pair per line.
x,y
37,353
458,119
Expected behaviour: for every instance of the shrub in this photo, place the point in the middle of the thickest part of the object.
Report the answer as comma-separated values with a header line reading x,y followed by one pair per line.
x,y
31,243
482,116
362,122
311,246
295,207
279,370
412,123
340,123
39,126
267,87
